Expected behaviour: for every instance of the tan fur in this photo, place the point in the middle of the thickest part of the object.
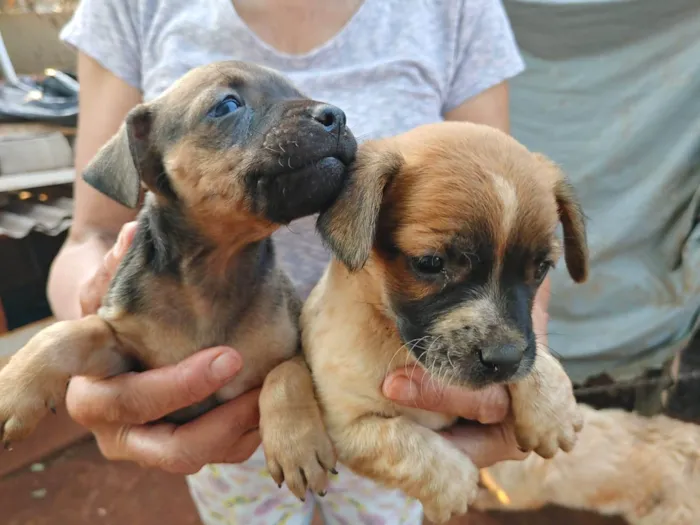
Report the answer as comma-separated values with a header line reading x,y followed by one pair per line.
x,y
646,470
35,379
428,184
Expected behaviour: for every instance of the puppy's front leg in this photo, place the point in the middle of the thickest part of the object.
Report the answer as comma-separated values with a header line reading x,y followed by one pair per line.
x,y
294,438
399,453
545,410
36,377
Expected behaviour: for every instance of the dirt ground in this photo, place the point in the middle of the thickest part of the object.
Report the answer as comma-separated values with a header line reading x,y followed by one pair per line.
x,y
78,487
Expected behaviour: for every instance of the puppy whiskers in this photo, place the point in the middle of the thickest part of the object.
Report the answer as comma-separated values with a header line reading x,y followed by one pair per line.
x,y
430,367
413,343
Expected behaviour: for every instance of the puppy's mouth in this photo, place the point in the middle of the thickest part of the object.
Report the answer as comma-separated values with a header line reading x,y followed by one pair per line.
x,y
296,192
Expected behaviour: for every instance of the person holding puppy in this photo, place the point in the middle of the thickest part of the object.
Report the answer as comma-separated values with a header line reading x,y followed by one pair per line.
x,y
390,69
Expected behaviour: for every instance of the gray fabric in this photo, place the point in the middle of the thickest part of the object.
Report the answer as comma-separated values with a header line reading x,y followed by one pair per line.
x,y
391,68
623,119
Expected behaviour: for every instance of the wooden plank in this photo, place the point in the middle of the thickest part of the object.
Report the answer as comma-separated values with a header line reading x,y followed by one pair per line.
x,y
36,179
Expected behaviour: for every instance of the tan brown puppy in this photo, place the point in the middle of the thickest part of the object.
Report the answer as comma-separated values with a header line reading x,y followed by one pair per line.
x,y
441,239
645,469
228,154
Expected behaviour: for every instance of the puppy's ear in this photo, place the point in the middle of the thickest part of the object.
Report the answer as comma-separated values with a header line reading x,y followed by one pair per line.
x,y
348,226
126,160
573,223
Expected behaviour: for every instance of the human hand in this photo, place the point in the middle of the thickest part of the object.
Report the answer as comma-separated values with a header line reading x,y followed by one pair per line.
x,y
119,410
489,440
93,290
540,317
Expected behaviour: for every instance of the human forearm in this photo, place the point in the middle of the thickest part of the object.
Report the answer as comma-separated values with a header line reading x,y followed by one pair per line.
x,y
77,262
490,107
104,102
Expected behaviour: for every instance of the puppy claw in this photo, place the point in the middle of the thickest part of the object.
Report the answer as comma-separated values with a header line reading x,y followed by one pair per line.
x,y
299,455
276,472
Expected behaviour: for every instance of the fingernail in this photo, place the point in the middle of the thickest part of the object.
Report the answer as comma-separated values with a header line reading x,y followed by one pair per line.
x,y
400,389
226,365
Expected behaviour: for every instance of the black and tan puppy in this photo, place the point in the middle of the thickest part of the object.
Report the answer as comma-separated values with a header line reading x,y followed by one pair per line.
x,y
441,237
228,154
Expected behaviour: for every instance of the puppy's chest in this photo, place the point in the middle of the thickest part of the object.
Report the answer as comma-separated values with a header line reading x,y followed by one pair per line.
x,y
350,354
264,333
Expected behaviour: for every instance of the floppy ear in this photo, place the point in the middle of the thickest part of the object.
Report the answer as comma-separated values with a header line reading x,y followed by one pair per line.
x,y
126,160
573,223
348,226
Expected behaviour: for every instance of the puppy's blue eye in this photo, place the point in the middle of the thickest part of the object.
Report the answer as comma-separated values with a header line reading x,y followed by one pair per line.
x,y
226,106
428,264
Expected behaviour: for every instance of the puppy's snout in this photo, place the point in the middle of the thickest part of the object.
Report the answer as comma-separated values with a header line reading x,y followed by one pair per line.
x,y
502,360
330,117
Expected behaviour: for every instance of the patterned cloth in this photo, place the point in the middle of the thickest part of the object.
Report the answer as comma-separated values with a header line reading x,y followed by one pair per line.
x,y
245,494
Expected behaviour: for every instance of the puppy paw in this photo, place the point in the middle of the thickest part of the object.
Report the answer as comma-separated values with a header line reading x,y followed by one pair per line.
x,y
21,408
547,416
298,451
450,494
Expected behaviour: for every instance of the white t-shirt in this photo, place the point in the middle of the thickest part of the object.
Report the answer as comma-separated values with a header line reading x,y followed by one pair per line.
x,y
395,65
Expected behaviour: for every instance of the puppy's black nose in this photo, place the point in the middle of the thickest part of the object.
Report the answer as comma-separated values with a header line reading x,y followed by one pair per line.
x,y
330,117
502,360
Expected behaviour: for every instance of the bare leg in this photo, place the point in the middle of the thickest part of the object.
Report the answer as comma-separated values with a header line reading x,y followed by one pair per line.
x,y
36,378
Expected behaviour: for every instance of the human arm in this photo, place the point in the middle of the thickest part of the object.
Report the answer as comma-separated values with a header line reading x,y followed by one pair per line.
x,y
104,102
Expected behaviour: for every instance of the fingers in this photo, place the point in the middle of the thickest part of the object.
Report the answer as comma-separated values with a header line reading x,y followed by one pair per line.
x,y
486,445
227,434
118,251
140,398
92,291
416,388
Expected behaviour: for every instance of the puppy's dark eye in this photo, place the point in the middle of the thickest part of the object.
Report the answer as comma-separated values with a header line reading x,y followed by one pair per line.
x,y
428,264
541,270
226,106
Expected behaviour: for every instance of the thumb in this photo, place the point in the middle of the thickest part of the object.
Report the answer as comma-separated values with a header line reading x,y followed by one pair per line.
x,y
92,291
416,388
115,255
134,399
486,445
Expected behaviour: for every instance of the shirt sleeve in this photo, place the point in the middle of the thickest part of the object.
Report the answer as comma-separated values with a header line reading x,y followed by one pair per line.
x,y
485,51
108,31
